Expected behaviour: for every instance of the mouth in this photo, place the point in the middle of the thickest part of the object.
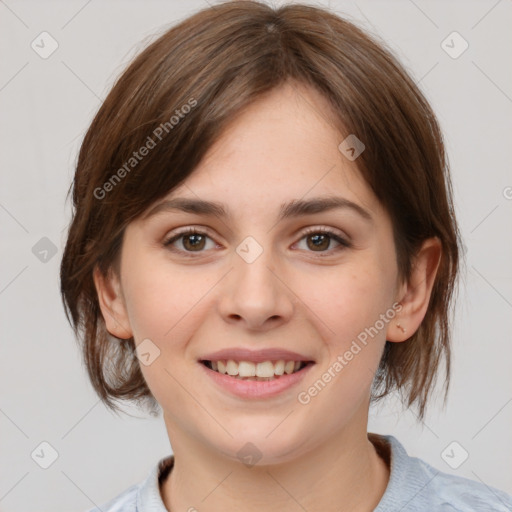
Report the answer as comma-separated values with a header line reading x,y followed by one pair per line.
x,y
256,371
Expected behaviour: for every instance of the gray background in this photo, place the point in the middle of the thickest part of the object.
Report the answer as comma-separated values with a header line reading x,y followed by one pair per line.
x,y
47,104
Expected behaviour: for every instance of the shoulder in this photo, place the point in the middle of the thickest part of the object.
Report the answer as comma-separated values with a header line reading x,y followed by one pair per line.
x,y
415,485
455,493
124,502
144,496
463,494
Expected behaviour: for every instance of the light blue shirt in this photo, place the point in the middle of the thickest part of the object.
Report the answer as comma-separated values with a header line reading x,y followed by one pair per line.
x,y
414,486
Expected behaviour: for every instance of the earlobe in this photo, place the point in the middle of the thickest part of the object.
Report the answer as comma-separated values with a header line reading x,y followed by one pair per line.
x,y
112,304
415,294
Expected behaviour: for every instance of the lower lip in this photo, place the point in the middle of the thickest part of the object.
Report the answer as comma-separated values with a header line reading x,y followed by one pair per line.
x,y
254,388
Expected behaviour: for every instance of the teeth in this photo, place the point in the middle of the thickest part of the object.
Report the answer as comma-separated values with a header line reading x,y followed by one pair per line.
x,y
247,369
265,369
231,368
256,371
289,366
279,367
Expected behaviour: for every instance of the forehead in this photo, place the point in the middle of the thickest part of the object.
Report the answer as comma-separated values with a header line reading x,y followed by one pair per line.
x,y
282,148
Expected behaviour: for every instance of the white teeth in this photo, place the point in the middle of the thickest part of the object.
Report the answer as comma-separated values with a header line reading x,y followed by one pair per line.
x,y
248,369
232,367
289,366
279,367
265,369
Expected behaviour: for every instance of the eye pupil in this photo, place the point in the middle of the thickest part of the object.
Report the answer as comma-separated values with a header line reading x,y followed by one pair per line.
x,y
194,244
322,238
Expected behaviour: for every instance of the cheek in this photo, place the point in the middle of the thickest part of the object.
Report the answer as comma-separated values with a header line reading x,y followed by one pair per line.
x,y
150,305
161,299
350,306
166,306
348,300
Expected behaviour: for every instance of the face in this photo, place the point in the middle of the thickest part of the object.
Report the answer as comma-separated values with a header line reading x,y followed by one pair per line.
x,y
264,277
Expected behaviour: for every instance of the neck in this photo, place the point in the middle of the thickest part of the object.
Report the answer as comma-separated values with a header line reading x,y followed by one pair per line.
x,y
344,474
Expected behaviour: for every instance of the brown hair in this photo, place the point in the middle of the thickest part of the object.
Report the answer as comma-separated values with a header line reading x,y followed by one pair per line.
x,y
217,62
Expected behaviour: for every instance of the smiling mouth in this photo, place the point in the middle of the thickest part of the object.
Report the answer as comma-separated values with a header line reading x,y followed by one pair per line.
x,y
263,371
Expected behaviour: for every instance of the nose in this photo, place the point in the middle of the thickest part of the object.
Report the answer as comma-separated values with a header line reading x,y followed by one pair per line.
x,y
256,293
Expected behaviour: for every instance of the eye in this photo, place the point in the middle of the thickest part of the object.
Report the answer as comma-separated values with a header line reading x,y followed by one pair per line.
x,y
194,241
191,239
319,239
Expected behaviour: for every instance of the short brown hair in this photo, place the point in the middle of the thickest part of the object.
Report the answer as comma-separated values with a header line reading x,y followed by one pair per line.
x,y
217,62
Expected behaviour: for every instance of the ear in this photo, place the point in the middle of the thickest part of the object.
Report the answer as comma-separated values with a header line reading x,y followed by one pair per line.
x,y
414,296
112,304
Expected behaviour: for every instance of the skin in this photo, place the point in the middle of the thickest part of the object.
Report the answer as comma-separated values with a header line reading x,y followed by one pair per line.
x,y
318,455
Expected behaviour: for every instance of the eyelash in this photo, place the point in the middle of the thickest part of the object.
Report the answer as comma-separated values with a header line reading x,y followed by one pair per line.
x,y
310,231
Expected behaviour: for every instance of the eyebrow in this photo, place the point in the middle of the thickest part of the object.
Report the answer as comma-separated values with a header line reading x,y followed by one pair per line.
x,y
292,209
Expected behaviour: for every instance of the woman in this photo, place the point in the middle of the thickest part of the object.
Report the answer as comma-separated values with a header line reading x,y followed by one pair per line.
x,y
263,241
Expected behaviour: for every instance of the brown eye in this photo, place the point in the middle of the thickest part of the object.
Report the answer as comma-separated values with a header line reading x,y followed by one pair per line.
x,y
191,241
319,240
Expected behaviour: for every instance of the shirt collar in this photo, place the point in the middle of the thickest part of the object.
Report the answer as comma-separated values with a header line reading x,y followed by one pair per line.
x,y
149,498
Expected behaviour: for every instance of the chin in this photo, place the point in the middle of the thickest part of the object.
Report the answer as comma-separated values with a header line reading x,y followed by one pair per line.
x,y
261,443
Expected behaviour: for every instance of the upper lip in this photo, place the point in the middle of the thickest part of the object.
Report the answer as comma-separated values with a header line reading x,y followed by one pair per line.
x,y
255,356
